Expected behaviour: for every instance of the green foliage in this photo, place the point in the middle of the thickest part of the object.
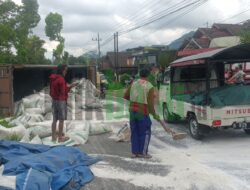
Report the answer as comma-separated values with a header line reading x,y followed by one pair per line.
x,y
109,76
77,60
5,124
245,35
65,57
54,24
8,12
8,20
124,77
28,17
115,86
13,137
16,24
34,50
165,58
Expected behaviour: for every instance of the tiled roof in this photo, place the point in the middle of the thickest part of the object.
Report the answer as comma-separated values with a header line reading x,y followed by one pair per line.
x,y
213,32
233,29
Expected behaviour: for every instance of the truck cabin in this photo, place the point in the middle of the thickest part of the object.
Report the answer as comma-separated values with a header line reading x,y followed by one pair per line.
x,y
201,73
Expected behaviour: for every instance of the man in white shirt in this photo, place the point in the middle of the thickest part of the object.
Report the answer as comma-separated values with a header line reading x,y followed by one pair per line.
x,y
238,77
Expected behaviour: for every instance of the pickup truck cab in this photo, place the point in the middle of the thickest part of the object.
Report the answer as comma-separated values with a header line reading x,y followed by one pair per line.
x,y
194,89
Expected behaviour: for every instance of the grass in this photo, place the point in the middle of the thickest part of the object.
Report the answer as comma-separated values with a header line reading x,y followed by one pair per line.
x,y
5,123
13,137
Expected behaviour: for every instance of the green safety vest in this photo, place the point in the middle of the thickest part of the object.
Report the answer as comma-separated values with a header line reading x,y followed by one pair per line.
x,y
139,91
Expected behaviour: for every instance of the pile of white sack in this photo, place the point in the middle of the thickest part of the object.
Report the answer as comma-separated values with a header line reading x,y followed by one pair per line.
x,y
33,116
40,132
83,96
122,134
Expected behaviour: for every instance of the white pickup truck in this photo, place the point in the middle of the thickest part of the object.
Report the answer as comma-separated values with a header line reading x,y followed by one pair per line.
x,y
194,89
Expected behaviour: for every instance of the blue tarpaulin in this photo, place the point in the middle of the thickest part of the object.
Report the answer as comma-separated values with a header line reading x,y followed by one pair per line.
x,y
41,167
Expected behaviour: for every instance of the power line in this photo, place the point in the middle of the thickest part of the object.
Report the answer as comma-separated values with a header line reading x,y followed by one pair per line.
x,y
150,19
171,20
138,13
236,15
159,13
160,17
190,7
138,19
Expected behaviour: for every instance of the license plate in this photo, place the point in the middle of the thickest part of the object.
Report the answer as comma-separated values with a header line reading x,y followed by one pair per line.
x,y
241,125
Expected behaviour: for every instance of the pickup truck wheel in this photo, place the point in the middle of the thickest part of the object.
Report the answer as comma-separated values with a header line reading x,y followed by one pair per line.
x,y
168,118
194,128
247,131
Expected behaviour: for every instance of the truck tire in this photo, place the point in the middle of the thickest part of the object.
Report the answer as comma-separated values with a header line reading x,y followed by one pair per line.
x,y
194,128
247,131
168,118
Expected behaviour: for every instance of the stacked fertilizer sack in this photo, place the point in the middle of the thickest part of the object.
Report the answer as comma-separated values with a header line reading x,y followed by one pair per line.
x,y
33,115
122,134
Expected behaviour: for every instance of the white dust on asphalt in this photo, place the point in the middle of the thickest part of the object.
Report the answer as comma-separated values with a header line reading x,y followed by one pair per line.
x,y
188,170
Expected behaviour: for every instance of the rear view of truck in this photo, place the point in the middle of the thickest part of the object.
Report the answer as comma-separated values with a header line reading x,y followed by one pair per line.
x,y
195,89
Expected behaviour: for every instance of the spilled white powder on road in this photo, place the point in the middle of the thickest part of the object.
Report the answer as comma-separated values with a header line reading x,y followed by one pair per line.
x,y
185,173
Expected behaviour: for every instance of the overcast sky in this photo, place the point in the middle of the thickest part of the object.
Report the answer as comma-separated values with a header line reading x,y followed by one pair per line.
x,y
83,19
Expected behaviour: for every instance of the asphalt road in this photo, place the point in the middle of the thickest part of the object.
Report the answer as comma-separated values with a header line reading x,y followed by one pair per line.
x,y
221,161
224,154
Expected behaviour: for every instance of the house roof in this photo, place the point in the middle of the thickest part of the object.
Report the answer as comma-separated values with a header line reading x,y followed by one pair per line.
x,y
233,29
189,52
231,54
122,58
212,32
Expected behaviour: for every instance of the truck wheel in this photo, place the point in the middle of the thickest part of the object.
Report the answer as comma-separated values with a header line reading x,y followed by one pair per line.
x,y
194,128
247,131
168,118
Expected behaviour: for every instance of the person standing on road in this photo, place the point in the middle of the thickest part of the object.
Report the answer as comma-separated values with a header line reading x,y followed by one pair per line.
x,y
59,94
141,96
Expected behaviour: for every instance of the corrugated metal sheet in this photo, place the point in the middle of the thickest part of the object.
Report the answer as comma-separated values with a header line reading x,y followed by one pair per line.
x,y
199,56
235,53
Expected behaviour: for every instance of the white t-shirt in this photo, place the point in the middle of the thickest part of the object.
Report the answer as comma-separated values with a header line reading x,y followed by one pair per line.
x,y
239,76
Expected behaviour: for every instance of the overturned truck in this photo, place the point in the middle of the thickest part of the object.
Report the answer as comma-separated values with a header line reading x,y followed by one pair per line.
x,y
18,81
195,90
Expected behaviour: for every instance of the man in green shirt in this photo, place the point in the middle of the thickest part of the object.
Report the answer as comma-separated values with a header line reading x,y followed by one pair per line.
x,y
141,95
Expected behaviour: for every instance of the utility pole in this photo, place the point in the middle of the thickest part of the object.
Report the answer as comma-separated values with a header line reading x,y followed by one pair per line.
x,y
116,54
99,51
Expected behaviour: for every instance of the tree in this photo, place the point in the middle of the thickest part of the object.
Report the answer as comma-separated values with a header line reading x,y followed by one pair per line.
x,y
8,14
77,60
166,57
28,18
54,25
35,51
65,57
245,35
16,24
